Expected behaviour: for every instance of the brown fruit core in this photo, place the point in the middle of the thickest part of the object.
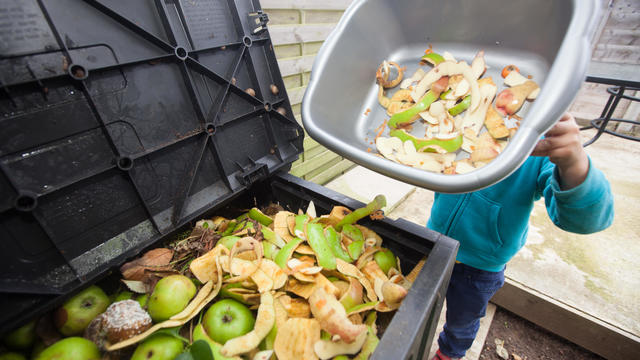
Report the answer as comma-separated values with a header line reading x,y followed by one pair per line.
x,y
227,319
150,354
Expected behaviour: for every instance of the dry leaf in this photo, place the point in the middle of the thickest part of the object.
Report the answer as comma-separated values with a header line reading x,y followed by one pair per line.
x,y
156,259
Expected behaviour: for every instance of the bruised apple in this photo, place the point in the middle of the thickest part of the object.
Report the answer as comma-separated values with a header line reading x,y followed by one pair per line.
x,y
74,315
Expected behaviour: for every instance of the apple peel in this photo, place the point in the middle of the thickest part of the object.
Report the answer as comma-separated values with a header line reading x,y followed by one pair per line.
x,y
351,270
249,341
328,349
295,339
332,316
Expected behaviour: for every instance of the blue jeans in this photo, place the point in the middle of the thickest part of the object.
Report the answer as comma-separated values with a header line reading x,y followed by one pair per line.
x,y
467,296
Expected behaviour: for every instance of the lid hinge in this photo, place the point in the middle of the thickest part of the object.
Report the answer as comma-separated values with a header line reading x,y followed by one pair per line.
x,y
259,20
252,174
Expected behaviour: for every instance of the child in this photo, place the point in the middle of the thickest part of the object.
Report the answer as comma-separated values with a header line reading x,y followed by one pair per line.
x,y
491,224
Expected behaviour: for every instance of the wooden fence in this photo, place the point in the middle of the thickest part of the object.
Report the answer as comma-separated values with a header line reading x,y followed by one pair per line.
x,y
298,28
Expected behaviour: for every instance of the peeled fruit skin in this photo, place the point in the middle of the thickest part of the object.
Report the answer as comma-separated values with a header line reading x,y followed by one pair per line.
x,y
71,348
227,319
76,314
22,337
158,347
170,296
385,259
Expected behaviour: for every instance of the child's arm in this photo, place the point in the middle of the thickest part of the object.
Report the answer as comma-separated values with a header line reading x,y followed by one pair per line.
x,y
562,144
577,195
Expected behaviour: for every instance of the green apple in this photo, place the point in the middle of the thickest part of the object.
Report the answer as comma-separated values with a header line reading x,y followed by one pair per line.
x,y
200,334
143,300
385,259
170,296
158,347
22,337
71,348
76,314
227,319
12,356
124,295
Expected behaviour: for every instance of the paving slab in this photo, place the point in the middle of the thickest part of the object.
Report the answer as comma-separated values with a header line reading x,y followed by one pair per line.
x,y
363,184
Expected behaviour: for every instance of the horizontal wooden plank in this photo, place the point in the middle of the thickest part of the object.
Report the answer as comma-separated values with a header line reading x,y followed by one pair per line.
x,y
306,4
296,94
309,165
309,143
333,172
580,328
322,168
310,153
296,65
292,34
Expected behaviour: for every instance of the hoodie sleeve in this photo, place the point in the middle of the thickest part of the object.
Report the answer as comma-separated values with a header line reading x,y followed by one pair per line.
x,y
584,209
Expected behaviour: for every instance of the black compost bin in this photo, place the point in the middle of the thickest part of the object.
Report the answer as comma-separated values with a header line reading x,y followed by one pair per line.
x,y
124,121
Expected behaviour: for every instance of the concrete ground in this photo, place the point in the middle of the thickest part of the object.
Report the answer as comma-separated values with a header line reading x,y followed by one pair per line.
x,y
598,274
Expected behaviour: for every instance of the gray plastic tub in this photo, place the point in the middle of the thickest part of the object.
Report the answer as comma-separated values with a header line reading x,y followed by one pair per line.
x,y
548,39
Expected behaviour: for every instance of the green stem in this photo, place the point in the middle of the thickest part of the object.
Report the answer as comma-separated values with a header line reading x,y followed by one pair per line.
x,y
378,203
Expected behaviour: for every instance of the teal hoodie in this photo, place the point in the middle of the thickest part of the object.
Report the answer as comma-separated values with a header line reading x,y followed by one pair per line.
x,y
492,224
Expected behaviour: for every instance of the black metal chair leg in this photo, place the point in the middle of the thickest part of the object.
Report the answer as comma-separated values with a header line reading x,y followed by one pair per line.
x,y
602,126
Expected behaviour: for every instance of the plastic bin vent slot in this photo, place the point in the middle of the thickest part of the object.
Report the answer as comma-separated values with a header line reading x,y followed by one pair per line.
x,y
259,21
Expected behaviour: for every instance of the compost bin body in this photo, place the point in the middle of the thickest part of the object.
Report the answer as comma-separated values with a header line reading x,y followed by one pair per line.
x,y
124,122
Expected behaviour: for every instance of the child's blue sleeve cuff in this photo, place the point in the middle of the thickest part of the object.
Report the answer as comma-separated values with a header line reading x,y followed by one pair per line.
x,y
583,195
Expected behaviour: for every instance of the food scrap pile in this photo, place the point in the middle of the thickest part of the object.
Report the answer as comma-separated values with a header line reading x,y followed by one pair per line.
x,y
269,284
456,104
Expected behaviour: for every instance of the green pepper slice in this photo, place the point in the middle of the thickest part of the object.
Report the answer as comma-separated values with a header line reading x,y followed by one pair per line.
x,y
413,112
461,106
334,243
317,241
449,145
285,253
258,216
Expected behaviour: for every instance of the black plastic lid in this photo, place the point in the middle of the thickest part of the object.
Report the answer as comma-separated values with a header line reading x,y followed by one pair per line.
x,y
123,120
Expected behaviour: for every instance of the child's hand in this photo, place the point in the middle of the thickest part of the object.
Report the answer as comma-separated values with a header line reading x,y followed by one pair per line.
x,y
563,145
